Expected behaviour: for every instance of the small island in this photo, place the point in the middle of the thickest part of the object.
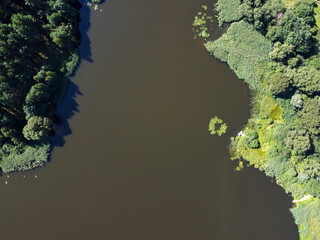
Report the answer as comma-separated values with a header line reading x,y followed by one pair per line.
x,y
274,47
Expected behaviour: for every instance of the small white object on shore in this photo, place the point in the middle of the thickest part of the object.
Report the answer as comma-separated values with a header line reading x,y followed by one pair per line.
x,y
305,198
241,133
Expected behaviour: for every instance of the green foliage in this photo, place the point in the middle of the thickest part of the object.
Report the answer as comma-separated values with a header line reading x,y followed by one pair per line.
x,y
282,135
307,80
296,101
261,14
304,9
245,50
37,128
294,31
311,166
298,140
279,84
72,63
251,139
315,62
229,11
281,52
214,129
307,215
25,158
201,24
310,116
38,49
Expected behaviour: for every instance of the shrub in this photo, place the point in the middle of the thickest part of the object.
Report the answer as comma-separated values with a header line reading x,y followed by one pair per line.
x,y
307,80
37,128
296,101
279,84
251,139
304,9
281,52
310,116
229,11
315,62
298,140
294,31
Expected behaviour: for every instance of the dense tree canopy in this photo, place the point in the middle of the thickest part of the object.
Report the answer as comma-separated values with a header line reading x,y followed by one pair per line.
x,y
279,84
307,80
38,50
282,137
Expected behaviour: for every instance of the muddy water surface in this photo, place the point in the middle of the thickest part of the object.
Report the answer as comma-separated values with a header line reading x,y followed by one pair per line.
x,y
136,161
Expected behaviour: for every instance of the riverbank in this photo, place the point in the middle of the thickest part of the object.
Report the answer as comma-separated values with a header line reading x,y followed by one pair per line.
x,y
273,47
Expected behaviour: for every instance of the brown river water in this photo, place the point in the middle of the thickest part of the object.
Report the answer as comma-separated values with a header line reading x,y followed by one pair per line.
x,y
133,157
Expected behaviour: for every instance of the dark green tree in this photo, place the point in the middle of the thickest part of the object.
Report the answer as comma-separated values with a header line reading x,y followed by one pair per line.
x,y
279,84
37,128
310,116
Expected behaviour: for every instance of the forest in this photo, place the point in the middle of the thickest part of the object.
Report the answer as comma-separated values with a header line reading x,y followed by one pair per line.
x,y
274,47
38,51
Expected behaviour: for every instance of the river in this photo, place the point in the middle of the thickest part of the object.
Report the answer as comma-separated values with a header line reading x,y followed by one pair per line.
x,y
133,158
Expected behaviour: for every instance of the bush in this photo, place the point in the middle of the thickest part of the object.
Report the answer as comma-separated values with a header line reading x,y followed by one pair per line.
x,y
296,101
229,11
298,140
279,84
37,128
281,52
261,14
310,116
294,31
304,9
307,80
315,62
251,139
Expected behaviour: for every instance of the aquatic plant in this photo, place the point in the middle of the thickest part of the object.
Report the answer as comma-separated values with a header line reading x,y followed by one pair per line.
x,y
213,126
200,23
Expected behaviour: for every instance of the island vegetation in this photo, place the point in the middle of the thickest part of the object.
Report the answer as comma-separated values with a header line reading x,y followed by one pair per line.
x,y
273,46
38,51
217,126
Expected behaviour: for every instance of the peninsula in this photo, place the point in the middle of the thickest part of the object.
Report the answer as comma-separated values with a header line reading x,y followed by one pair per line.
x,y
274,47
38,51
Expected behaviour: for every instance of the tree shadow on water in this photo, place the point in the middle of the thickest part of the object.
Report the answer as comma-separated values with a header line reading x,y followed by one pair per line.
x,y
69,106
85,47
65,110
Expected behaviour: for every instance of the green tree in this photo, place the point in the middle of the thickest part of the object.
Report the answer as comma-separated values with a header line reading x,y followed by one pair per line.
x,y
261,14
251,139
281,52
310,116
305,9
298,140
294,31
37,128
279,84
307,80
296,101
